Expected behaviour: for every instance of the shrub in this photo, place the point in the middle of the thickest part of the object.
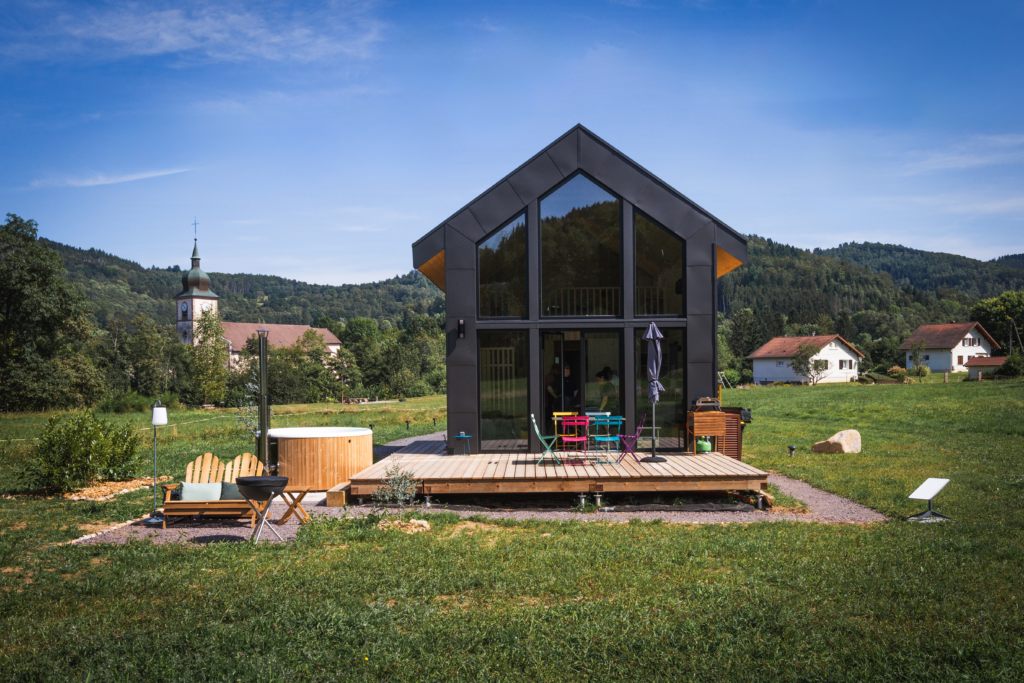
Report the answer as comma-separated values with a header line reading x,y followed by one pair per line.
x,y
732,375
897,373
921,371
1013,366
77,450
123,457
397,487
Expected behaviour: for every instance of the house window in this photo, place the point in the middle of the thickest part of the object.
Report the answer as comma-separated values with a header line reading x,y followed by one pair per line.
x,y
504,413
842,365
780,363
925,357
660,262
501,261
581,251
959,360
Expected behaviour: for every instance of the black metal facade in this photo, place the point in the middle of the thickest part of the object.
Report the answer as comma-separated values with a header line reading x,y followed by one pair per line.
x,y
578,150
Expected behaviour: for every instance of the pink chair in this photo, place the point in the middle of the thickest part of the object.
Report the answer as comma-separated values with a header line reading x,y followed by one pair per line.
x,y
572,429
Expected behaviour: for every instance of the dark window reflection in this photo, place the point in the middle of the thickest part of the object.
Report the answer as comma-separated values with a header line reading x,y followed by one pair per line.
x,y
502,267
670,413
660,262
581,269
504,416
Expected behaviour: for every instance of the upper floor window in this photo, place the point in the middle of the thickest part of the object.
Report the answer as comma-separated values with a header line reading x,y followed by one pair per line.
x,y
581,250
501,261
660,269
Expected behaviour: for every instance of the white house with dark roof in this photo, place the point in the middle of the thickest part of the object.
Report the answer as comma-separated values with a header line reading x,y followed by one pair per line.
x,y
773,362
949,347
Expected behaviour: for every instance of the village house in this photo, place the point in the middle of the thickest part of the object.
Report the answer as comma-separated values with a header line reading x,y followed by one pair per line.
x,y
773,362
197,298
949,347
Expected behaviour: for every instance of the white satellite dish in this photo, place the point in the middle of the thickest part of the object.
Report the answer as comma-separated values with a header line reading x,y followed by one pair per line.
x,y
927,491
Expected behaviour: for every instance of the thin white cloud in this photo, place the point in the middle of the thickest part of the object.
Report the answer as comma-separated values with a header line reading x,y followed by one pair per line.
x,y
102,179
979,151
217,31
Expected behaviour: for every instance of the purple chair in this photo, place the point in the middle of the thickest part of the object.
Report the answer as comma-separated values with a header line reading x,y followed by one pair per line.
x,y
629,441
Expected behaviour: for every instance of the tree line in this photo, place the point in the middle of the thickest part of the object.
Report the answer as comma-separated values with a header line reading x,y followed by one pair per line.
x,y
56,354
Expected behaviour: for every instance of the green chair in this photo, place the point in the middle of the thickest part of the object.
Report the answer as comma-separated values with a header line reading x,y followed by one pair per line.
x,y
547,441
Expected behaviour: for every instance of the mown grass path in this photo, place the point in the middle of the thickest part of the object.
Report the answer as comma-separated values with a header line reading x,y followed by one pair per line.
x,y
570,601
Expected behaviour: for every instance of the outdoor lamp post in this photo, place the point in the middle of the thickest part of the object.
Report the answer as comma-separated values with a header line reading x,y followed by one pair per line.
x,y
159,420
262,445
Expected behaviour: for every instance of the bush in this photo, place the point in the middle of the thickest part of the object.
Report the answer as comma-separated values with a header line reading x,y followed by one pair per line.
x,y
1013,366
921,371
72,452
897,373
732,375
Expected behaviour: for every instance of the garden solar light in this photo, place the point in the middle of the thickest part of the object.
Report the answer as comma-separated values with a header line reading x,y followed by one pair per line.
x,y
792,450
371,425
407,424
159,420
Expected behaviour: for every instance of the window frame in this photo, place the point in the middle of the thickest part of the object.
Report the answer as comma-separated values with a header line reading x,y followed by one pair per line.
x,y
539,294
682,275
526,252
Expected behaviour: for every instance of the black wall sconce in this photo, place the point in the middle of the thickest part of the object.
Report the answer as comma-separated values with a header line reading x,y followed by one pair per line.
x,y
462,329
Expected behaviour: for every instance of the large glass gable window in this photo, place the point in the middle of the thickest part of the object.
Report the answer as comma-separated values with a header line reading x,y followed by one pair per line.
x,y
660,270
581,251
502,268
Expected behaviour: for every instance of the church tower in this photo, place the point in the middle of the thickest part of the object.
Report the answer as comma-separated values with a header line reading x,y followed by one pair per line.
x,y
194,299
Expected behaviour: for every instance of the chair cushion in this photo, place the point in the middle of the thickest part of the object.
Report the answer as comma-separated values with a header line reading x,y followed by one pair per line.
x,y
200,491
229,491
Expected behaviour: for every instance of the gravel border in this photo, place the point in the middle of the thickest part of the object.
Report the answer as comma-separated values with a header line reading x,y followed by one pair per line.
x,y
824,507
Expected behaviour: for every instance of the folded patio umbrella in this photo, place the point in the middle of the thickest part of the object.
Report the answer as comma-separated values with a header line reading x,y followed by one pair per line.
x,y
653,337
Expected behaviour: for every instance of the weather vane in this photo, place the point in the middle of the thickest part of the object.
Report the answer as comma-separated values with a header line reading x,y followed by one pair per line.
x,y
195,229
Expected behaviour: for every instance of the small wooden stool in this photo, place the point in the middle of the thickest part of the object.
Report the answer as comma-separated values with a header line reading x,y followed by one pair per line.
x,y
293,497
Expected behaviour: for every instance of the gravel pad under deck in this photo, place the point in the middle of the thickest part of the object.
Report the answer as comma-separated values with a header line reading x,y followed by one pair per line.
x,y
824,507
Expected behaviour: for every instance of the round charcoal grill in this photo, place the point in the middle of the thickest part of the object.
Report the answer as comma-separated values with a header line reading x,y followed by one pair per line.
x,y
262,490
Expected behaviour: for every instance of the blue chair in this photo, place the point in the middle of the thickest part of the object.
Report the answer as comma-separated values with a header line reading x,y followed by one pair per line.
x,y
547,441
606,433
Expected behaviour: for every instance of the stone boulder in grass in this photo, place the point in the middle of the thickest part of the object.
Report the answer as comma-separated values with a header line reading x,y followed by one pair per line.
x,y
846,441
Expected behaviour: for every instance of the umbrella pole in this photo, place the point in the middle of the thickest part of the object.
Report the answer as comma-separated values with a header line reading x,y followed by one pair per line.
x,y
653,457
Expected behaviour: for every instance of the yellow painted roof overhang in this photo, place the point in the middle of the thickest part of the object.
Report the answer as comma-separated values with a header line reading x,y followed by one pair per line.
x,y
433,269
726,262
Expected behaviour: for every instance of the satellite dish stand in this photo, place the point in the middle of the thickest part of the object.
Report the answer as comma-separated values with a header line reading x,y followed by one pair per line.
x,y
927,491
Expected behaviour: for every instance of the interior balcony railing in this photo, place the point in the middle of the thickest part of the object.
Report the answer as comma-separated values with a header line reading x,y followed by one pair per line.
x,y
582,301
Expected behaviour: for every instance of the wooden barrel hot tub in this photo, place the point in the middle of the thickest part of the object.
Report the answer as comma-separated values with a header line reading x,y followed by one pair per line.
x,y
321,457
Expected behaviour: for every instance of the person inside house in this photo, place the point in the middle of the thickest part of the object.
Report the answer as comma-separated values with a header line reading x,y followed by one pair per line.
x,y
571,390
608,392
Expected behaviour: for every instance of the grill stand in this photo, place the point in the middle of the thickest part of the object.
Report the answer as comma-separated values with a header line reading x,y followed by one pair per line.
x,y
262,516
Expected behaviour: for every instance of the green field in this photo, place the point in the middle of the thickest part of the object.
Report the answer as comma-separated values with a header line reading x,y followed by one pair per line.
x,y
575,601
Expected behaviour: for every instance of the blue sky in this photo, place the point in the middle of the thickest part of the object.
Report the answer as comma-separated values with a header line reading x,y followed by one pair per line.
x,y
318,141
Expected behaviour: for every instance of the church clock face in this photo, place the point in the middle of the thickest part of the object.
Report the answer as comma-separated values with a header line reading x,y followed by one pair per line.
x,y
184,307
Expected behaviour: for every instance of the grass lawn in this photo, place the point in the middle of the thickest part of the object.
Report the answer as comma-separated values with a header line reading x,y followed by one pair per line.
x,y
572,601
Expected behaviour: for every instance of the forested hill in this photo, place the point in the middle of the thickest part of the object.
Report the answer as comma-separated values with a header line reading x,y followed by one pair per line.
x,y
802,285
932,271
120,288
1011,260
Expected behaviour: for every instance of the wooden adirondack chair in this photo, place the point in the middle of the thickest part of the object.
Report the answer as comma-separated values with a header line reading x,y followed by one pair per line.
x,y
207,469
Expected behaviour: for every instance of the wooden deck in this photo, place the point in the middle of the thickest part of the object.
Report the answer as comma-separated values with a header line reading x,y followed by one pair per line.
x,y
519,473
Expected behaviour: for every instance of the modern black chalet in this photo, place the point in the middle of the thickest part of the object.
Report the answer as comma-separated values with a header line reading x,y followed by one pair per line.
x,y
551,277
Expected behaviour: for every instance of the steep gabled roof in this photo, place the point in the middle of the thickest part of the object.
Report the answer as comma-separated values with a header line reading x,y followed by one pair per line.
x,y
945,336
786,347
580,150
280,335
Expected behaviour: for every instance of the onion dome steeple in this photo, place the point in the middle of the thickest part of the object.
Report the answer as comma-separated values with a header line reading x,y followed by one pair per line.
x,y
196,282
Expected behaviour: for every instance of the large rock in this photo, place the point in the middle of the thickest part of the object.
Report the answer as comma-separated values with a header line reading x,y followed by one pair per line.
x,y
846,441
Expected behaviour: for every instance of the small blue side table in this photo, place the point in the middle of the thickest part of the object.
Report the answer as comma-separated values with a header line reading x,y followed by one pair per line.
x,y
465,442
